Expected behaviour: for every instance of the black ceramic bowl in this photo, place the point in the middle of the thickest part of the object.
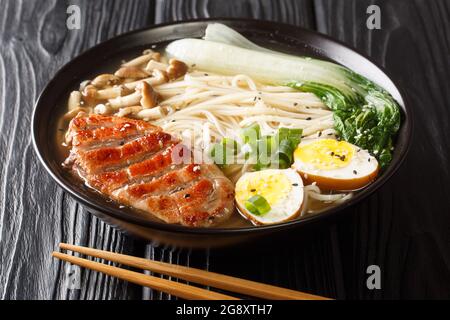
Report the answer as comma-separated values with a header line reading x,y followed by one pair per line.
x,y
281,37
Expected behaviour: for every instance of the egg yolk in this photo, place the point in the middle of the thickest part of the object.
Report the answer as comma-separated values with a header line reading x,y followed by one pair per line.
x,y
273,187
325,154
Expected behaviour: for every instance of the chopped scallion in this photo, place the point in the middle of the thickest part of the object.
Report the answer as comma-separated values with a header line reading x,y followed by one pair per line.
x,y
257,205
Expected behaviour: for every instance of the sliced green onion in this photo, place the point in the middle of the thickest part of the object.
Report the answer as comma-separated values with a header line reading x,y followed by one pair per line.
x,y
251,134
230,144
294,135
257,205
266,143
251,208
223,152
284,155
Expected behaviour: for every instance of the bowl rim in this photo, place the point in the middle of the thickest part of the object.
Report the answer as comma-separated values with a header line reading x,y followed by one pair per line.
x,y
407,122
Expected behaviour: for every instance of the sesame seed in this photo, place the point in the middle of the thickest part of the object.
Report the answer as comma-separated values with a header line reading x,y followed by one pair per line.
x,y
355,172
309,118
295,184
187,195
253,190
295,104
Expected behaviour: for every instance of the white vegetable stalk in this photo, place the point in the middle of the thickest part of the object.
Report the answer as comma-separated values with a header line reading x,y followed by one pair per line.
x,y
263,66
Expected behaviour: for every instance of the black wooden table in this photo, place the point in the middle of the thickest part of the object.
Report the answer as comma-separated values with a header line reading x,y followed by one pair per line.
x,y
404,228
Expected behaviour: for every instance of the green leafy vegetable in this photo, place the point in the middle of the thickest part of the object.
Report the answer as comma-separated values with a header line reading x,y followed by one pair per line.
x,y
369,118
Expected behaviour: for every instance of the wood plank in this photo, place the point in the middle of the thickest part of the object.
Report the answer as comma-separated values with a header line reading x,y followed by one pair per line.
x,y
403,228
296,12
35,215
310,267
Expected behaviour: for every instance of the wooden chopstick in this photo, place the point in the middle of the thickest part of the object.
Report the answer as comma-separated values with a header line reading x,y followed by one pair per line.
x,y
232,284
177,289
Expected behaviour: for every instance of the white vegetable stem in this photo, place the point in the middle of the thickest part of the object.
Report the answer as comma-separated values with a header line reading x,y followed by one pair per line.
x,y
226,51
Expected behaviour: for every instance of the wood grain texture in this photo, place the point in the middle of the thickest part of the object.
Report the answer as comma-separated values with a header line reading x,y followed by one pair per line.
x,y
404,228
35,215
296,12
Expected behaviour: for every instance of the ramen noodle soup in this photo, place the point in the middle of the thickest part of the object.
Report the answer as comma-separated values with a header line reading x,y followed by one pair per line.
x,y
293,136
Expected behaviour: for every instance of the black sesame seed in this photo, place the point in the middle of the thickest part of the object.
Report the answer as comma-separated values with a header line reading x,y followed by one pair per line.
x,y
330,134
255,98
206,74
253,190
295,184
358,150
122,143
295,104
332,153
187,195
354,171
368,160
307,107
309,118
342,158
174,120
320,134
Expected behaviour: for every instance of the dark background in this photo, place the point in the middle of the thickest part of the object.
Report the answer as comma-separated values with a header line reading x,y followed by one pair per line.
x,y
404,227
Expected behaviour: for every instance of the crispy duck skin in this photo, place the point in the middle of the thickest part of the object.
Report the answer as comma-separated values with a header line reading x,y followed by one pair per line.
x,y
137,164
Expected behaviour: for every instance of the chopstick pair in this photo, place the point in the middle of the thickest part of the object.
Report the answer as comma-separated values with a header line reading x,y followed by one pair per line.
x,y
220,281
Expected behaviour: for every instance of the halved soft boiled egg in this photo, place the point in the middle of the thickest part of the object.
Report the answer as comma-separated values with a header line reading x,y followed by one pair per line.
x,y
269,196
334,165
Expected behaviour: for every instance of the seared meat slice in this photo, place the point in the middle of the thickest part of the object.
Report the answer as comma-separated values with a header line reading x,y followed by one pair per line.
x,y
139,165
